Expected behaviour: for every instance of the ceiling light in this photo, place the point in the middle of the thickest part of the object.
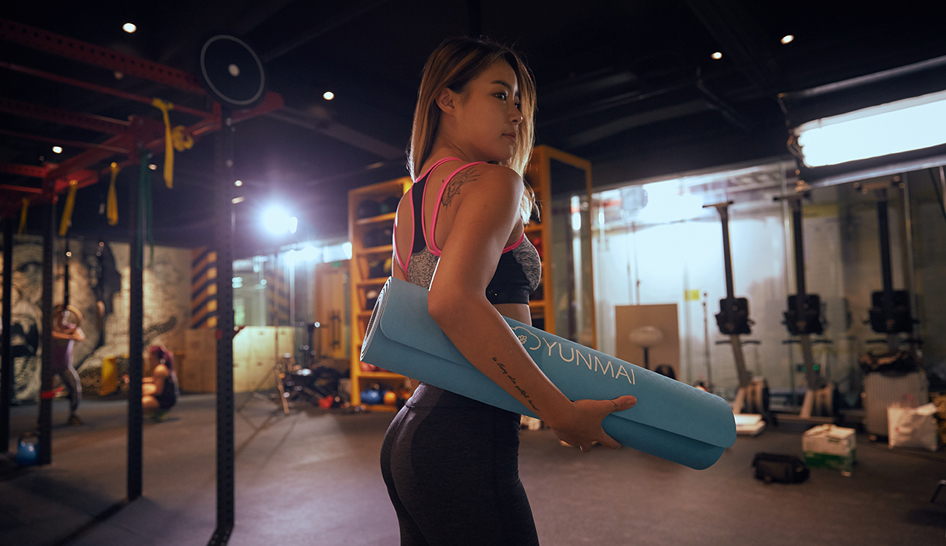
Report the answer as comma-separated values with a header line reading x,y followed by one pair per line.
x,y
57,150
900,126
277,221
129,27
717,55
238,183
787,38
153,167
237,200
328,95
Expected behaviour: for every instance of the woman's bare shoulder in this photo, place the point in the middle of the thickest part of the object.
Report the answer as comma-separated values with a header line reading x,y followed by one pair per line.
x,y
496,181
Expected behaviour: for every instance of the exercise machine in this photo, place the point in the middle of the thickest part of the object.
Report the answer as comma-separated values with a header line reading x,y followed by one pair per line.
x,y
803,319
733,321
890,315
890,310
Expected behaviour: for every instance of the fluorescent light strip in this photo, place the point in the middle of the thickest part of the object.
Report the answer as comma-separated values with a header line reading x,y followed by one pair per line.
x,y
901,126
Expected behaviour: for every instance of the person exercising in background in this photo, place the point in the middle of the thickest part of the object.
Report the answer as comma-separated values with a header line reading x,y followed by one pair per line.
x,y
66,332
159,392
450,463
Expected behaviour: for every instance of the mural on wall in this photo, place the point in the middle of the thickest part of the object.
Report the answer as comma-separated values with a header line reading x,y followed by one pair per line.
x,y
98,272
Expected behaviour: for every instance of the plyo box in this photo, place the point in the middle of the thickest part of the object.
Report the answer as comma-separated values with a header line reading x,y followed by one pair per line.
x,y
830,446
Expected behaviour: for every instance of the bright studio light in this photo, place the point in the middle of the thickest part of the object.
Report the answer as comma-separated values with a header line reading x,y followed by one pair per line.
x,y
665,204
308,253
787,39
129,27
238,200
717,55
901,126
153,167
328,95
277,221
57,149
238,183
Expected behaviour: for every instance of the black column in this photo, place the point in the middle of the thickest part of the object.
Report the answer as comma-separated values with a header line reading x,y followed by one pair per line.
x,y
6,371
223,210
135,331
46,373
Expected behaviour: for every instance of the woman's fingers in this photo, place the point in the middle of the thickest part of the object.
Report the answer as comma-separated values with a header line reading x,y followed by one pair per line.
x,y
620,403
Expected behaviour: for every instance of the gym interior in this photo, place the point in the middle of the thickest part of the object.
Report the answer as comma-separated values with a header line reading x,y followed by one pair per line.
x,y
741,202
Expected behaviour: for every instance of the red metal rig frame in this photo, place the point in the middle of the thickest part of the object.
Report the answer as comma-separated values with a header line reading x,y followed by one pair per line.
x,y
127,136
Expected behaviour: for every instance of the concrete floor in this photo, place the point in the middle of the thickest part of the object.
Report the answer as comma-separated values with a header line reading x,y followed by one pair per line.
x,y
312,478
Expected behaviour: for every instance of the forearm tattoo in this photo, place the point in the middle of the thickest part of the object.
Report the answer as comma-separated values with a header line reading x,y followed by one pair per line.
x,y
456,183
502,368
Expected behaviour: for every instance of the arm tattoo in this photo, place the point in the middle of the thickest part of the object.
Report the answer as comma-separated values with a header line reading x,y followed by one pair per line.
x,y
502,368
456,183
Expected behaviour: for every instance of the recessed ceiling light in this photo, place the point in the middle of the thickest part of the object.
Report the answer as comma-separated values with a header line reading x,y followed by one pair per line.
x,y
717,55
57,150
238,183
328,95
787,38
153,167
129,27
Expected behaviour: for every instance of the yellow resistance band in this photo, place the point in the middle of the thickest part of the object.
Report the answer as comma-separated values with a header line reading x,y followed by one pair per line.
x,y
26,205
111,202
67,211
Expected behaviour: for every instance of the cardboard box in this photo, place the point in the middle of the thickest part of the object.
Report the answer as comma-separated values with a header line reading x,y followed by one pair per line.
x,y
830,446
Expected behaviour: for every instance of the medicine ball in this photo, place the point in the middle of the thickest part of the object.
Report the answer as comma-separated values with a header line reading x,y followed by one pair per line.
x,y
27,453
371,396
371,297
389,204
377,237
368,208
376,269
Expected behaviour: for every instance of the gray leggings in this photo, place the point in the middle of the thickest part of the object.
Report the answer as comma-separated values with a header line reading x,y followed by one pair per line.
x,y
452,472
70,378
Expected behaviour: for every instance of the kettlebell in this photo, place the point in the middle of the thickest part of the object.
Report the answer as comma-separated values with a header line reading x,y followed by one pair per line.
x,y
27,453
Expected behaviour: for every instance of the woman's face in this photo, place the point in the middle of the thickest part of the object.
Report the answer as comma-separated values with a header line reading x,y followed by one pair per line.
x,y
488,113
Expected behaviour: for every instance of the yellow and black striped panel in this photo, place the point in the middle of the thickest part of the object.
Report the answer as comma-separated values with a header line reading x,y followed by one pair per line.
x,y
203,288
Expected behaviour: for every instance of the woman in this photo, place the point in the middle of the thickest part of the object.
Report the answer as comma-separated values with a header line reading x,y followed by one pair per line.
x,y
159,392
450,463
66,332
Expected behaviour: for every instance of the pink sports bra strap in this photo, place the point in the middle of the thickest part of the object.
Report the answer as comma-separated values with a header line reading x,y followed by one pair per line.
x,y
517,243
437,164
431,243
403,264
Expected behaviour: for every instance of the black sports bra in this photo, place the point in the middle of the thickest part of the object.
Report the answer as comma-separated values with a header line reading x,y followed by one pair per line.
x,y
518,272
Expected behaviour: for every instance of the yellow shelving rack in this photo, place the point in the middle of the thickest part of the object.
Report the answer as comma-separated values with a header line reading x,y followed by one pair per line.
x,y
362,283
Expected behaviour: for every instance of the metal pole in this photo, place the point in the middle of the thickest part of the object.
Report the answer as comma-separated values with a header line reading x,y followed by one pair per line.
x,y
942,186
223,210
46,372
906,235
135,332
65,275
6,372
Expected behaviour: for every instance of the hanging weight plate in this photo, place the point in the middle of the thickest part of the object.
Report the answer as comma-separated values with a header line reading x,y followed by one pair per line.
x,y
232,71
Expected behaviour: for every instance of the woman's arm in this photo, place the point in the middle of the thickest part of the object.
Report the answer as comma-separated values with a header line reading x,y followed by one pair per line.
x,y
486,213
156,386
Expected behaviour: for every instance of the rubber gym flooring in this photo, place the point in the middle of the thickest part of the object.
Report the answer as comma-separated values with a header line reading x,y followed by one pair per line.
x,y
312,477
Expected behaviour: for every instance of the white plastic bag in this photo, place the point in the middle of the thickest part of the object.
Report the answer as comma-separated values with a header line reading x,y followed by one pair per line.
x,y
912,427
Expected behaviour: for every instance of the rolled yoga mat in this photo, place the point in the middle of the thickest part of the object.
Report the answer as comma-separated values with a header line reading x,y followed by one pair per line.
x,y
670,420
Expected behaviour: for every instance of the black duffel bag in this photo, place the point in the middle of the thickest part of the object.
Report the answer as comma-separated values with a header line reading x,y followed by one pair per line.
x,y
772,467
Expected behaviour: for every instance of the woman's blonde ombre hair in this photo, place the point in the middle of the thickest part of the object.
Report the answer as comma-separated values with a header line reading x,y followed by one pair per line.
x,y
453,65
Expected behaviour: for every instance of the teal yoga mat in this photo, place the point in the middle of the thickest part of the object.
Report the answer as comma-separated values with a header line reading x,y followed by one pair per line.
x,y
671,420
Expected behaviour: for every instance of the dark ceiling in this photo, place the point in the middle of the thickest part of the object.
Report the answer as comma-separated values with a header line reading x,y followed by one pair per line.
x,y
630,85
